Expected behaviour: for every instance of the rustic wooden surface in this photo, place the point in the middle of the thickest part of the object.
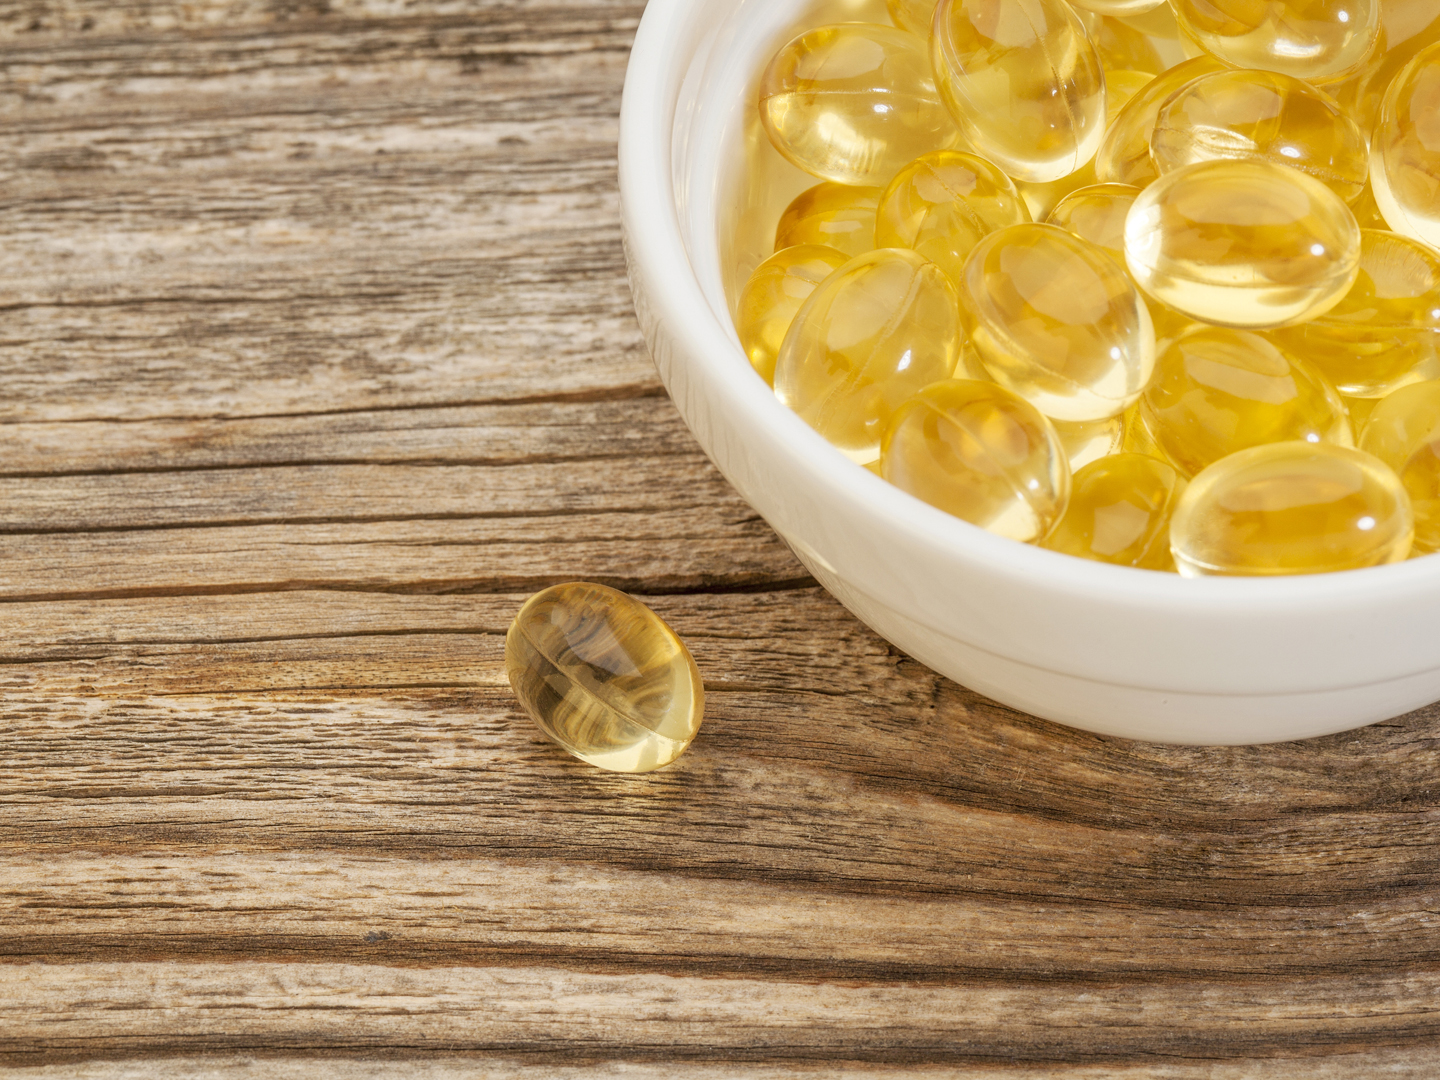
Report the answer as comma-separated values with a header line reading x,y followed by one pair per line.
x,y
318,357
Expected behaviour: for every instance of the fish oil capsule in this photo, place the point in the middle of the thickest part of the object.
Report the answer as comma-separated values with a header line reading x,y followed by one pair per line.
x,y
1265,116
1405,152
941,205
977,451
834,215
912,15
1119,512
1056,320
1097,214
1120,47
1404,433
1089,440
1322,40
1040,199
603,676
1406,27
774,294
1124,154
1157,23
1242,243
875,331
1386,331
1291,508
1218,391
1023,82
853,103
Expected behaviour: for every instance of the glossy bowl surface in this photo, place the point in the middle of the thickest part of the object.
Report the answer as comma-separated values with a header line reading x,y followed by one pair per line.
x,y
1123,652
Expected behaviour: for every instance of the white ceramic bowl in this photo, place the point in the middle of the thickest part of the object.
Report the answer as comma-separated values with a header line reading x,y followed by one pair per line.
x,y
1118,651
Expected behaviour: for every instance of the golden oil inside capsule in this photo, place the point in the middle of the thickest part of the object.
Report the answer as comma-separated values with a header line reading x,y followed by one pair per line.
x,y
853,103
1264,116
1056,320
833,215
942,204
1406,27
1089,440
1218,391
1118,7
1404,433
774,295
1119,512
912,15
1291,508
1120,47
603,676
875,331
1124,153
1242,243
1322,40
1023,82
1157,23
977,451
1359,410
1386,331
1405,151
1097,214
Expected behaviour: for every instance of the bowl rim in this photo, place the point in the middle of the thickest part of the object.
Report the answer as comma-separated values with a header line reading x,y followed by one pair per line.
x,y
659,253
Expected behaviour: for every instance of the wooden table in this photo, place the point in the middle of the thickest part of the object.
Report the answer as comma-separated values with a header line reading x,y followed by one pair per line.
x,y
318,358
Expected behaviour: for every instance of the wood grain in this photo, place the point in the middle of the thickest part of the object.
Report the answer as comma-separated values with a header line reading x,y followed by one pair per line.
x,y
318,358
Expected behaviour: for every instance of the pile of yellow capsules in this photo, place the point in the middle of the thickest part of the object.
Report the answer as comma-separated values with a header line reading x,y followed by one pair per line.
x,y
1170,316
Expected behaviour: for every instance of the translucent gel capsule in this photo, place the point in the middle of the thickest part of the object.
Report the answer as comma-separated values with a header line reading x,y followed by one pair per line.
x,y
835,215
1023,82
1321,40
1089,440
1158,23
977,451
604,677
877,330
1265,116
1242,243
1405,150
1406,27
1097,214
1124,154
1040,199
853,103
912,15
941,205
1218,391
774,294
1120,47
1386,331
1359,410
1056,320
1404,433
1367,211
1118,7
1291,508
1119,512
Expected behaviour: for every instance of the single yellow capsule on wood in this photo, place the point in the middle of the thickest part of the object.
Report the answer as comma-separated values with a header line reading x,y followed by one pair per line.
x,y
1262,116
977,451
603,676
1404,432
853,103
1119,512
941,204
1315,40
1242,243
1385,333
1124,154
1056,320
1291,508
774,295
912,15
875,331
1097,214
1405,150
1218,391
833,215
1023,82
